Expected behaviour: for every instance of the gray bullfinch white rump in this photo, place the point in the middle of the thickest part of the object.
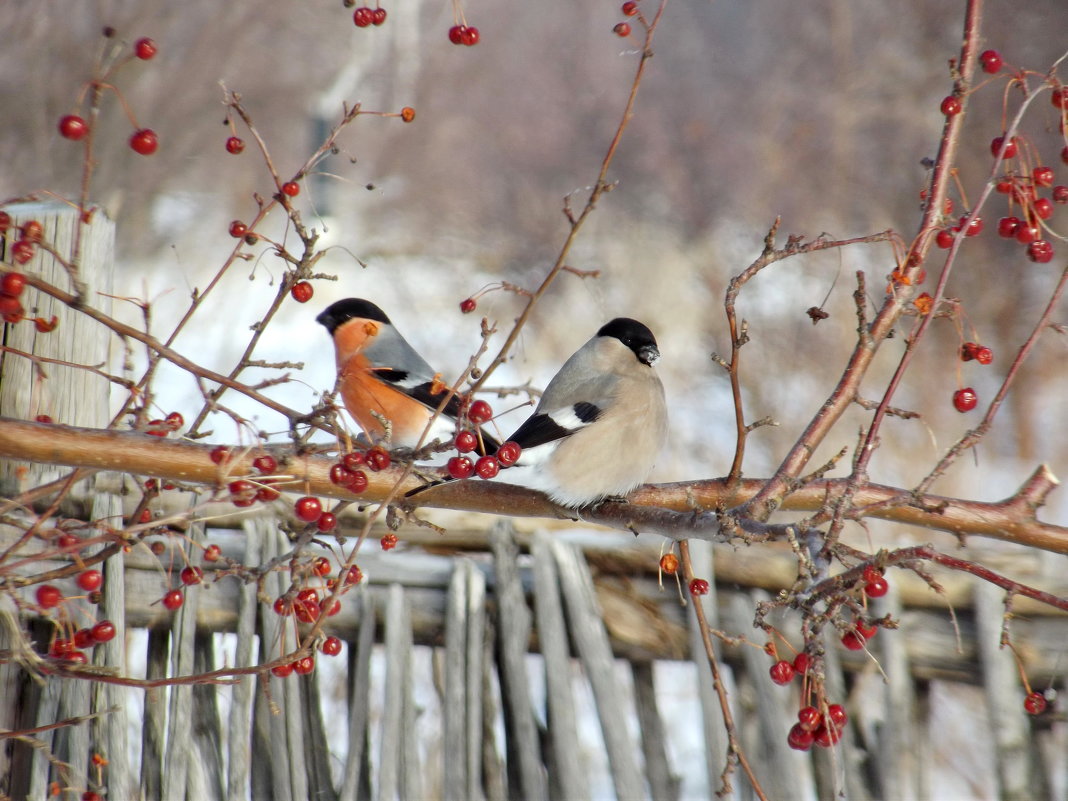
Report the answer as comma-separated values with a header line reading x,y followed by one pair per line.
x,y
380,373
600,424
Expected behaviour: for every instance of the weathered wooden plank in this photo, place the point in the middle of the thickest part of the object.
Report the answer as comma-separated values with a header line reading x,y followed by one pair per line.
x,y
526,775
389,762
356,760
454,770
239,740
591,640
411,769
154,729
567,770
474,671
316,745
663,783
1013,748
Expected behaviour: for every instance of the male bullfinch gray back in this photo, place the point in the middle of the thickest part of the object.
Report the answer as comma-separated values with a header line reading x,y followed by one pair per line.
x,y
601,422
380,373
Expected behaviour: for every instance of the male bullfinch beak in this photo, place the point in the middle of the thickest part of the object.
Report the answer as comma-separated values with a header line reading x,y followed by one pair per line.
x,y
648,354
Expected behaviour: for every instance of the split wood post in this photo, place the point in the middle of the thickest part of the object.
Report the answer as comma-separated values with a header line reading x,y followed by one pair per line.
x,y
31,386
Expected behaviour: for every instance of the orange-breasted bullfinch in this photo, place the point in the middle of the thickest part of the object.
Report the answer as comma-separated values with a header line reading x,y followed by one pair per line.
x,y
380,373
601,422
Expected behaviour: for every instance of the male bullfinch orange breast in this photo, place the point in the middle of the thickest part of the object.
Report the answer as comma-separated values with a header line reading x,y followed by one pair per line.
x,y
601,422
379,373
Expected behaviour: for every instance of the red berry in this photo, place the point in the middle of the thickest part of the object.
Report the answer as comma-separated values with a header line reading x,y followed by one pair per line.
x,y
67,541
467,305
330,608
44,326
407,114
12,284
877,588
83,638
951,106
964,400
378,458
782,672
1059,98
378,16
283,606
480,412
302,292
306,611
470,36
975,225
460,467
1007,226
48,596
238,229
799,738
211,553
508,454
699,586
388,542
363,17
73,127
341,475
220,454
353,460
291,188
630,8
104,631
157,428
173,599
1040,251
967,353
321,566
809,718
944,239
32,231
826,736
1035,703
265,464
853,641
308,509
242,492
1026,233
669,563
466,441
144,142
353,576
43,418
359,482
235,144
621,29
866,631
1060,194
991,61
89,795
22,251
267,494
487,467
1043,208
1042,176
327,522
145,49
837,716
90,580
331,646
984,355
61,648
456,34
1010,148
304,665
191,575
78,656
801,662
281,671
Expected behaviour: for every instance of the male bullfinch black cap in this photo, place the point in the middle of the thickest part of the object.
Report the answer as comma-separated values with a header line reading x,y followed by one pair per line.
x,y
350,308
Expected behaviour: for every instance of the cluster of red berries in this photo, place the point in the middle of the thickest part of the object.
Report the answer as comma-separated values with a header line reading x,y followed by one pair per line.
x,y
144,140
467,440
243,492
966,399
820,728
464,35
622,29
306,606
991,63
73,648
364,16
1023,190
12,283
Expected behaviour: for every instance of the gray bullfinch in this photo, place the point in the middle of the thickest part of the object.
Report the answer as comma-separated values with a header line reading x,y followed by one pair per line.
x,y
600,423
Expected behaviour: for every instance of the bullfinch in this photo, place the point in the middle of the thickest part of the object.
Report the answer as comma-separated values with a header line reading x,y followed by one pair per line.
x,y
380,373
600,423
